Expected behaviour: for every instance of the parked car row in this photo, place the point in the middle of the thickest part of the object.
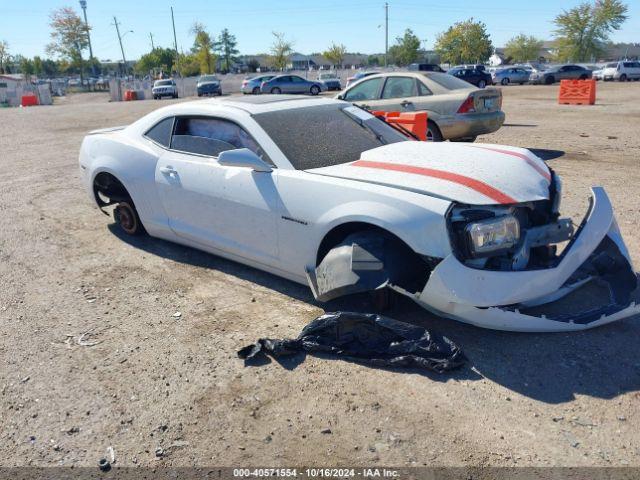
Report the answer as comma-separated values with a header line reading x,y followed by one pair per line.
x,y
620,71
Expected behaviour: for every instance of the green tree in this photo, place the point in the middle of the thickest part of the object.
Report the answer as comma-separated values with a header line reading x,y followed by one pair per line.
x,y
281,48
406,49
226,48
38,67
335,54
253,65
158,59
202,50
464,42
522,48
50,68
189,65
69,36
26,66
4,56
582,32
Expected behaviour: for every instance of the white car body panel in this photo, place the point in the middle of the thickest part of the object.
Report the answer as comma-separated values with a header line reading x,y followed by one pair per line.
x,y
276,221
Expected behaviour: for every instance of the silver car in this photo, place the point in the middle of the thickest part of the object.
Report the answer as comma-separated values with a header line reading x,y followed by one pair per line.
x,y
560,72
505,76
292,84
456,110
252,84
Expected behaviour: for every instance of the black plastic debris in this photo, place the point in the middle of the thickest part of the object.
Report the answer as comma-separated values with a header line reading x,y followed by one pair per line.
x,y
365,338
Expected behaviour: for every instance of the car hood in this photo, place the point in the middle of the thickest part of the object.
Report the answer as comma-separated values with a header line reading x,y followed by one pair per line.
x,y
478,174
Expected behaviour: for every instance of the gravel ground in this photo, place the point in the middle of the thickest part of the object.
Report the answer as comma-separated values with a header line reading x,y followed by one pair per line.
x,y
95,356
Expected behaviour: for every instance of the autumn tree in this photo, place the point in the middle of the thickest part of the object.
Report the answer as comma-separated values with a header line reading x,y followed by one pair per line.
x,y
582,32
335,54
69,36
281,48
464,42
203,49
406,49
522,48
226,48
157,59
4,55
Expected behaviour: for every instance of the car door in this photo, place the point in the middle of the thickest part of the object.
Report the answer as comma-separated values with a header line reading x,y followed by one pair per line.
x,y
398,95
366,93
233,209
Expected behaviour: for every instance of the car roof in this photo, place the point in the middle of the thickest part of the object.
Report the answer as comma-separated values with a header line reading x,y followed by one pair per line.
x,y
259,103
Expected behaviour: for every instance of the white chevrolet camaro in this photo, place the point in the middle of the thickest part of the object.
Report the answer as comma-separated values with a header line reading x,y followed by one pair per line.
x,y
323,193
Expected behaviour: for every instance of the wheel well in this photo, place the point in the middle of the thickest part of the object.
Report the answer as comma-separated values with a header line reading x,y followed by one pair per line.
x,y
406,268
107,185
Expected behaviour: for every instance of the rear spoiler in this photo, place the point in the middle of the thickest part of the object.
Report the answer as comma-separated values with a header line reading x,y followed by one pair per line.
x,y
107,130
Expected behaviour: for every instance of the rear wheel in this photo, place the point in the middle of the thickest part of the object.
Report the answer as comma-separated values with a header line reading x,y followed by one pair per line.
x,y
276,91
550,80
256,90
315,90
583,77
482,84
126,216
433,132
505,81
623,77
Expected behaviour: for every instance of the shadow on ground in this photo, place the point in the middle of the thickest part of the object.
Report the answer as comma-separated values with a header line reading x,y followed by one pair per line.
x,y
545,154
551,368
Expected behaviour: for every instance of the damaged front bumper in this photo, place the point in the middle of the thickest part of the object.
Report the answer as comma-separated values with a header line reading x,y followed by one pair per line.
x,y
592,283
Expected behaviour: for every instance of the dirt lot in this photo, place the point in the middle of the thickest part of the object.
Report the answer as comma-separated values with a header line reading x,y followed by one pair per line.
x,y
156,381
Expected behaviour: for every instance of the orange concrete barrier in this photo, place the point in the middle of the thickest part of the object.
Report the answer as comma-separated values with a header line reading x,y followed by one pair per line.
x,y
130,95
29,100
577,92
415,122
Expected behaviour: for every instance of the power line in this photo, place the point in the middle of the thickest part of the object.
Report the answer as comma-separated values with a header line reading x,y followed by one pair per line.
x,y
386,32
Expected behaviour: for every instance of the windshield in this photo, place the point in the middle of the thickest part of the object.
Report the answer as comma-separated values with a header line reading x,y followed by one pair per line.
x,y
208,78
448,81
162,83
308,135
611,65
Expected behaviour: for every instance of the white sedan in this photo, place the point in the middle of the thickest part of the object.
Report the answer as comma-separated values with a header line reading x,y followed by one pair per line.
x,y
321,192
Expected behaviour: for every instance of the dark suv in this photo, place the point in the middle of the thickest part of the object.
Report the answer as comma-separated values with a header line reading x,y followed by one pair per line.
x,y
475,76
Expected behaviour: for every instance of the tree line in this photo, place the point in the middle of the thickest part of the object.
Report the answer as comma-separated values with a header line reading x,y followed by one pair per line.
x,y
580,35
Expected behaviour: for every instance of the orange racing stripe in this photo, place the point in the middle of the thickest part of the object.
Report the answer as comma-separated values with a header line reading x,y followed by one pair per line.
x,y
530,161
477,185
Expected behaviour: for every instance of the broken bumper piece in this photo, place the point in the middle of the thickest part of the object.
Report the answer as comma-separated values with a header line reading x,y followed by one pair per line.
x,y
592,284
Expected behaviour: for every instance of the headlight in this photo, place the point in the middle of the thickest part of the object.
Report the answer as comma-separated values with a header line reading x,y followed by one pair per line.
x,y
493,235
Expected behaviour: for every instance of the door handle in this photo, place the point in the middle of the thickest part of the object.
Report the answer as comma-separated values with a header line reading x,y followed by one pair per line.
x,y
406,103
168,170
366,107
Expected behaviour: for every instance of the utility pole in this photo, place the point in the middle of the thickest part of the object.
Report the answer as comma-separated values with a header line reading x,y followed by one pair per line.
x,y
175,42
83,5
386,32
124,60
151,37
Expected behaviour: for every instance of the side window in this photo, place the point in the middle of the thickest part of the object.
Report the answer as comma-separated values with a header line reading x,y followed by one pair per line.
x,y
161,132
297,79
367,90
397,87
627,64
423,90
211,136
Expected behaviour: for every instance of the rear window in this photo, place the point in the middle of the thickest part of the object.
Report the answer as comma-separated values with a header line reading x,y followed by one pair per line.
x,y
161,132
448,81
308,136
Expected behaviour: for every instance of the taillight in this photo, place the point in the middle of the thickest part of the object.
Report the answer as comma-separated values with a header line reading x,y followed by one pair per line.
x,y
244,83
467,106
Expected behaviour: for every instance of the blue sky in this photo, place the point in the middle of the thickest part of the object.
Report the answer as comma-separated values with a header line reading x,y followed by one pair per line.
x,y
312,26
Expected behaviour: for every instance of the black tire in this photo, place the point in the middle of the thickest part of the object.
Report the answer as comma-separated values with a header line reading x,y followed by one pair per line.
x,y
127,218
255,91
175,95
583,77
315,90
482,84
433,132
464,139
550,80
199,94
276,91
505,81
623,77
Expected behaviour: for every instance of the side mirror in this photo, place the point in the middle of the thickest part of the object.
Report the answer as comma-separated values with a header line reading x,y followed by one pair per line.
x,y
340,97
243,157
